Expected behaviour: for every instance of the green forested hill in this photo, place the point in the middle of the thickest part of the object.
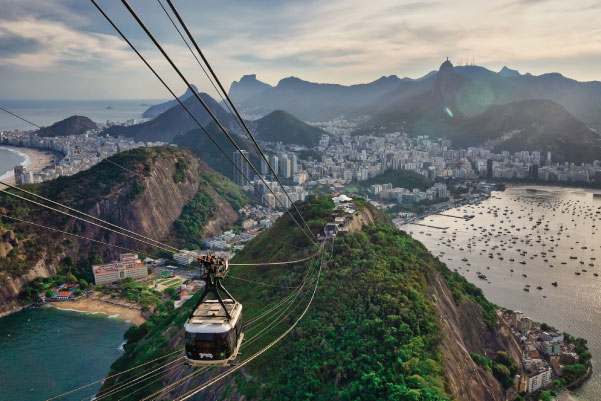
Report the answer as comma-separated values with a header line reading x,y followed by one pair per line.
x,y
280,126
371,333
164,193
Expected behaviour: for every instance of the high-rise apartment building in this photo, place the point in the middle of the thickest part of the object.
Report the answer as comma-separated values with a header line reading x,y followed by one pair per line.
x,y
242,169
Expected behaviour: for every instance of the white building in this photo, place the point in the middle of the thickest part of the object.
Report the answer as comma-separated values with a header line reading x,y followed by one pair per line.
x,y
184,258
128,265
539,375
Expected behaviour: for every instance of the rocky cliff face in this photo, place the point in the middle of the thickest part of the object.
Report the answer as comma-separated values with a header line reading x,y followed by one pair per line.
x,y
146,198
463,331
11,287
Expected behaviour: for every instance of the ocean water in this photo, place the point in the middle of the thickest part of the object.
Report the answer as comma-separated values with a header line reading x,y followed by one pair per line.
x,y
8,160
45,352
47,112
559,229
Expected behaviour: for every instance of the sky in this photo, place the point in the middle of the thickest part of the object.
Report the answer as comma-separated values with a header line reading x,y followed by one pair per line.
x,y
65,49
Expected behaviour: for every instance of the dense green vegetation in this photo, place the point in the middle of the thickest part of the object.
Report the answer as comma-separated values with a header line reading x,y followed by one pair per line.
x,y
502,368
136,189
417,208
229,191
180,171
371,334
146,343
191,224
377,331
193,219
400,178
547,395
464,290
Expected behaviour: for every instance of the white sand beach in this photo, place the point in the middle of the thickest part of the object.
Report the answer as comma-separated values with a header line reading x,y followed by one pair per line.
x,y
36,160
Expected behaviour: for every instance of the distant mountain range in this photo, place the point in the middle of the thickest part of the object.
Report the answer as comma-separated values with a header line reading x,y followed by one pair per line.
x,y
311,101
307,100
248,87
472,105
278,126
468,104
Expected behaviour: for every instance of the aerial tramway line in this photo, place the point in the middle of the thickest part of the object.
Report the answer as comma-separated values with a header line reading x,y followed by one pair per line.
x,y
214,330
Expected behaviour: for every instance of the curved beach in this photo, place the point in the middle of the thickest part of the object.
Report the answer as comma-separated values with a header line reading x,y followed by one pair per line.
x,y
89,305
35,160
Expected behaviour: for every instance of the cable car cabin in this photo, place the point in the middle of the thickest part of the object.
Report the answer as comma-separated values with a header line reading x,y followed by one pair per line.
x,y
211,338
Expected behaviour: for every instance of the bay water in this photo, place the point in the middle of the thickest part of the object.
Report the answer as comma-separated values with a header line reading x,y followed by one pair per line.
x,y
45,352
518,244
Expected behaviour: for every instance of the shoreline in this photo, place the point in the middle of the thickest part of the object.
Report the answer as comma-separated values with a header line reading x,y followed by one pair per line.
x,y
88,305
36,160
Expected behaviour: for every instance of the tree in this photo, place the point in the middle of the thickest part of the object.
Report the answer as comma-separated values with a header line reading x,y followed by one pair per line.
x,y
503,375
83,284
70,278
49,293
545,396
68,261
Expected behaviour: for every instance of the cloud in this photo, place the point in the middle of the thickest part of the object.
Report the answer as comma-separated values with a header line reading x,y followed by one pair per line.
x,y
36,44
339,41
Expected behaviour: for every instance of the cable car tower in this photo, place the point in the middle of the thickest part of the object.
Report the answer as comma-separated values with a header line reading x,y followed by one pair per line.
x,y
214,328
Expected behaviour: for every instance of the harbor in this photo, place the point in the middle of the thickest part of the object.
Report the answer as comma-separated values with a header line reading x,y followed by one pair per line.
x,y
533,249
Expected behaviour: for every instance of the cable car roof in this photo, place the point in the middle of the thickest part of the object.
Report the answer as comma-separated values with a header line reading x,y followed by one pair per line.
x,y
210,317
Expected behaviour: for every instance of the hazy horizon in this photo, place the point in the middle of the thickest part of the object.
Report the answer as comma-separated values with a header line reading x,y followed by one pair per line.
x,y
66,50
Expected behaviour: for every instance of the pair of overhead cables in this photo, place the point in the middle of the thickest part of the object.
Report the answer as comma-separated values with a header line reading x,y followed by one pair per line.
x,y
305,229
173,250
152,372
229,102
275,318
246,361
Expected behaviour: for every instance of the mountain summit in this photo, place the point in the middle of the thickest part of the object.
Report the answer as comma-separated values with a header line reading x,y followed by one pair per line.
x,y
157,109
509,73
447,83
247,87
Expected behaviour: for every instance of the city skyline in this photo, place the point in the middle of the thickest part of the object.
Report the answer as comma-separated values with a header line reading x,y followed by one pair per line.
x,y
66,50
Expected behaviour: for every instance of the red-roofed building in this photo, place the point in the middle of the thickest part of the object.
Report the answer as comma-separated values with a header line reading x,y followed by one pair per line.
x,y
62,296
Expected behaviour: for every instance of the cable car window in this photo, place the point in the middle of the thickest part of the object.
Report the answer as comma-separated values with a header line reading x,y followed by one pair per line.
x,y
192,338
